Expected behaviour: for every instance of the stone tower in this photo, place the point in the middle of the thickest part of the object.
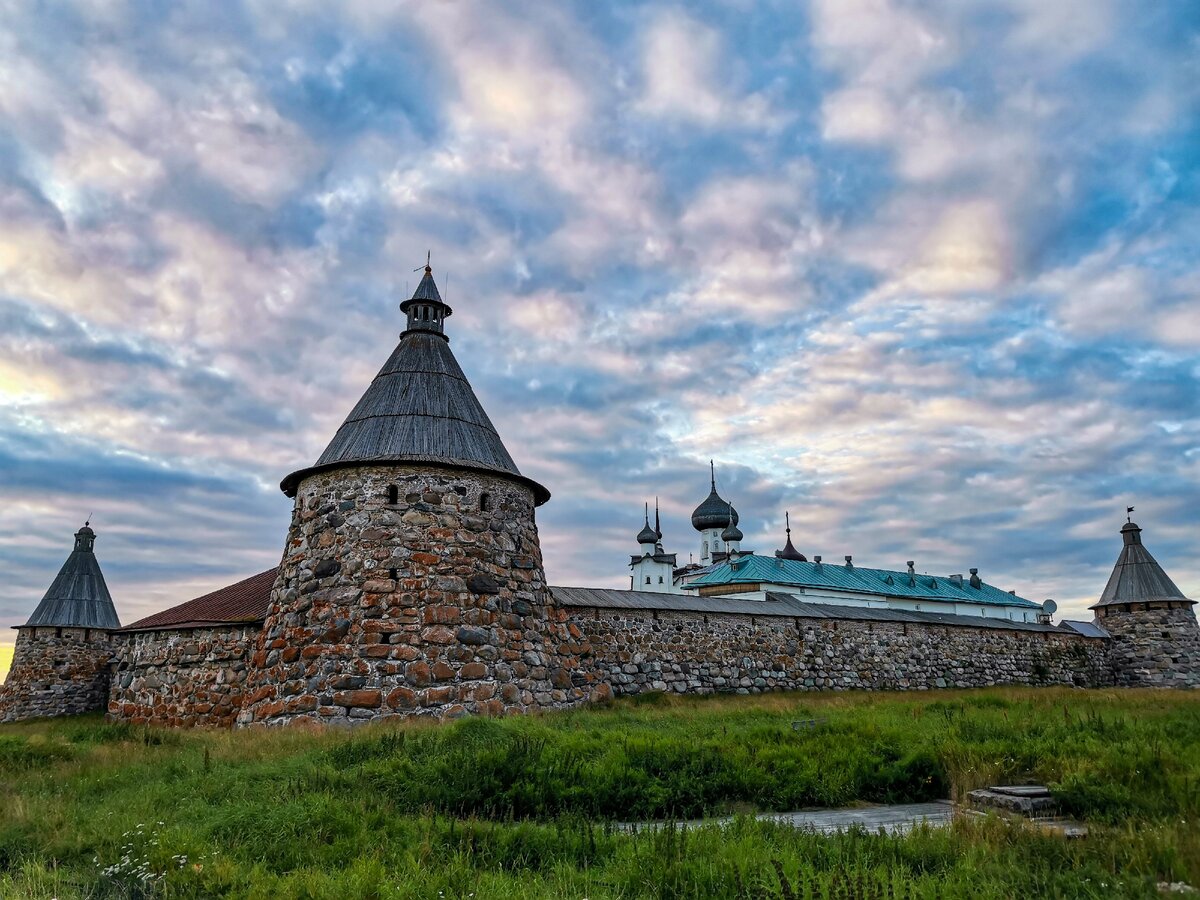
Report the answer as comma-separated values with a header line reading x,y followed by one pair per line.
x,y
412,582
1155,637
61,662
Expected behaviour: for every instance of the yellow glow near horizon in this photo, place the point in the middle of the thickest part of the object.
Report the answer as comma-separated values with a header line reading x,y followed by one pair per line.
x,y
6,655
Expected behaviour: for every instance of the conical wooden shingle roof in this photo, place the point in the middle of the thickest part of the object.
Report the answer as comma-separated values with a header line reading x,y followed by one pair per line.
x,y
1137,577
78,596
420,408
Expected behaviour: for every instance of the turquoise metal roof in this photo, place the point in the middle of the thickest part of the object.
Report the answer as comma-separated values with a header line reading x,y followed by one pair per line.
x,y
773,570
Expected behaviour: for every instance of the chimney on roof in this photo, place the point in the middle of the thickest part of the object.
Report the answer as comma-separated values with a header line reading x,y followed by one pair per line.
x,y
912,573
849,562
957,579
976,582
817,559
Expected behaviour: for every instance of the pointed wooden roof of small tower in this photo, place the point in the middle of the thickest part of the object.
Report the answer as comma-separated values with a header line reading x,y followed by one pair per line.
x,y
420,408
78,596
1137,577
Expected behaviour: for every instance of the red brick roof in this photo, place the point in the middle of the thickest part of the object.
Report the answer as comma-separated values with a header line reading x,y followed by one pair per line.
x,y
238,603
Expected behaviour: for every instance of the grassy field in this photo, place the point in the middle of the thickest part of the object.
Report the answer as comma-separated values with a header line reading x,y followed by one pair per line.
x,y
524,807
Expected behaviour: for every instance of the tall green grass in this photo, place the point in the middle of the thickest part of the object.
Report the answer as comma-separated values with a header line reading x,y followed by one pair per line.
x,y
523,807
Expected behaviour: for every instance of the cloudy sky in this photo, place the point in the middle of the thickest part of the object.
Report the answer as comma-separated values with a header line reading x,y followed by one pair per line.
x,y
926,274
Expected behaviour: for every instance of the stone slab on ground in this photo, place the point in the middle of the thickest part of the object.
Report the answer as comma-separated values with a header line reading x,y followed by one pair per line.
x,y
1022,790
895,819
1025,805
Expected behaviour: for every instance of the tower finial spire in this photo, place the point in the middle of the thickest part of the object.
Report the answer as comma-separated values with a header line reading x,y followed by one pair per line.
x,y
1129,514
647,516
787,524
712,471
657,521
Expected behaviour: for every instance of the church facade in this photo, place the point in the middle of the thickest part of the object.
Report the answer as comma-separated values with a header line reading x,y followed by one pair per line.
x,y
411,584
726,569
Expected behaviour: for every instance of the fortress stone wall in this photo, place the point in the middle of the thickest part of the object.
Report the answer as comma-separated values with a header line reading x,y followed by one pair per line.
x,y
420,665
408,589
57,672
1153,644
636,651
182,677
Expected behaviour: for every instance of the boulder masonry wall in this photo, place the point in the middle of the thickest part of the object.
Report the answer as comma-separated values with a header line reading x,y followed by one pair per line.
x,y
183,677
637,651
57,672
411,590
1154,644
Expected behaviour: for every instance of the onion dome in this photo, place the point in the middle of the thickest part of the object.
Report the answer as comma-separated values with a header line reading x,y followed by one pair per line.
x,y
420,408
732,534
647,535
713,512
789,551
78,596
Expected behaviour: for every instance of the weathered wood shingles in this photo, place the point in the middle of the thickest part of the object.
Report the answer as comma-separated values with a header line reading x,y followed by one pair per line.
x,y
78,597
420,407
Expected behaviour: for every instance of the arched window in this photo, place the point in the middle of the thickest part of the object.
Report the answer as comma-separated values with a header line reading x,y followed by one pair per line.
x,y
393,495
647,579
706,548
660,581
485,501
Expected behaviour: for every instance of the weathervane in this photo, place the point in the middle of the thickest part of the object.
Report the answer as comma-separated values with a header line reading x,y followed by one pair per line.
x,y
1129,514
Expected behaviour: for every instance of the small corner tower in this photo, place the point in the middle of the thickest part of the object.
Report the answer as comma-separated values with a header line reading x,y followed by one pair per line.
x,y
711,518
61,660
412,580
1155,637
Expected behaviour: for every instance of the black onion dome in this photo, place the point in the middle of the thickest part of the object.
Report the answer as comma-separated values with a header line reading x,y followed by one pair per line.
x,y
731,533
789,550
647,535
714,512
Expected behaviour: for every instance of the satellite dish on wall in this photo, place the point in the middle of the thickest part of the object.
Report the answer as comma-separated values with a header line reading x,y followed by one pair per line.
x,y
1049,607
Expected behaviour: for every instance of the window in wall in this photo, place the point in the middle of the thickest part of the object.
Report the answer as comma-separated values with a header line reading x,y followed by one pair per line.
x,y
647,579
58,632
393,495
706,548
485,502
660,579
